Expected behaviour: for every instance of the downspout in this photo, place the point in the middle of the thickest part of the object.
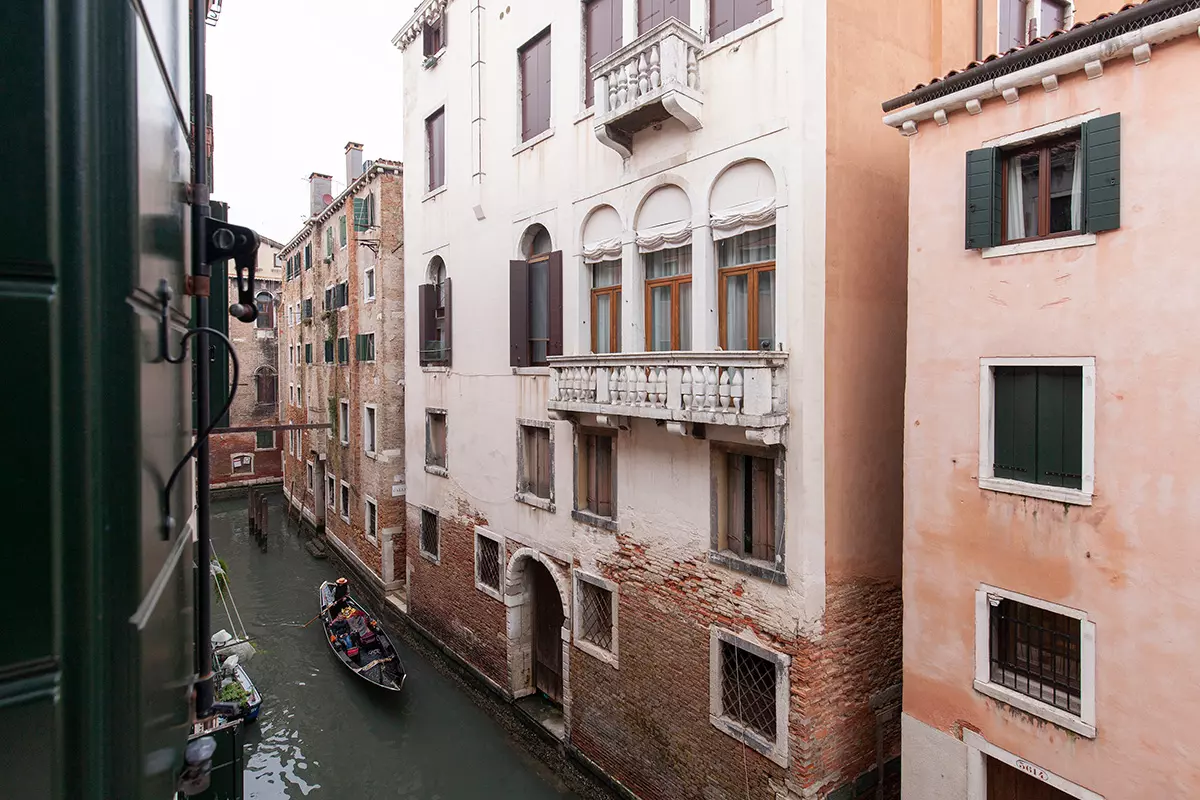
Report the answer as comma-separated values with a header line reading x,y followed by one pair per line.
x,y
979,30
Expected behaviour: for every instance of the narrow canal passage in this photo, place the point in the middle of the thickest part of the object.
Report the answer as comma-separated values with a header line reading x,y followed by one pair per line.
x,y
325,733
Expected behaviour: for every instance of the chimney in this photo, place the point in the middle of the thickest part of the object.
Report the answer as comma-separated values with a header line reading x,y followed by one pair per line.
x,y
320,192
353,162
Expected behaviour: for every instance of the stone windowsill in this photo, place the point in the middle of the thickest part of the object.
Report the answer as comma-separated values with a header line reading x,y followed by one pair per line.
x,y
1037,708
434,469
596,652
765,21
528,499
432,193
765,570
535,372
1058,494
531,143
748,737
596,521
432,369
1040,245
430,557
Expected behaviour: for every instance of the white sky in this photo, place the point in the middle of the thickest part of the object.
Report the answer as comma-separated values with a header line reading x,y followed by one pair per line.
x,y
292,81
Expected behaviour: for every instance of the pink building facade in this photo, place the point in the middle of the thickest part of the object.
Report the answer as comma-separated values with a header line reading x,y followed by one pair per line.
x,y
1050,592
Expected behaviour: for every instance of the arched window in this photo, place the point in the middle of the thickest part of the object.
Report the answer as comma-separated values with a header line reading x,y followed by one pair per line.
x,y
535,297
664,239
434,300
602,259
742,220
265,381
266,310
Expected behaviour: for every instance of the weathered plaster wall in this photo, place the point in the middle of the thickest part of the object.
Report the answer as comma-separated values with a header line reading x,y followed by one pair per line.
x,y
1127,560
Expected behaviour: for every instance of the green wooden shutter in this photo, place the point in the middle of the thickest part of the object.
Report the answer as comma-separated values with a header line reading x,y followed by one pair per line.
x,y
360,214
342,230
1060,426
983,198
1101,140
308,256
329,351
308,354
1014,443
360,347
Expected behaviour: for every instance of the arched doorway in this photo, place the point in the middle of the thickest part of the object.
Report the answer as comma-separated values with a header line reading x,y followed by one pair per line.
x,y
535,626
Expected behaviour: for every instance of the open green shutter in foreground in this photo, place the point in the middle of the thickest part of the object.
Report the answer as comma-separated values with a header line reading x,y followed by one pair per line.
x,y
1102,172
983,198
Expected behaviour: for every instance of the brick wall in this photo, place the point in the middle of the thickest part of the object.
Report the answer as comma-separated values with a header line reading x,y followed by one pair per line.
x,y
647,723
442,597
222,448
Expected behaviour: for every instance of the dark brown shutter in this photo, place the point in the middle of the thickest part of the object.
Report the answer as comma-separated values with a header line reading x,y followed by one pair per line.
x,y
720,18
603,37
544,71
426,302
735,504
528,58
603,469
518,313
555,348
447,322
655,12
435,134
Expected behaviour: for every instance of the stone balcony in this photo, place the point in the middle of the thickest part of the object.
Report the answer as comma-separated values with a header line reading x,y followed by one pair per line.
x,y
743,389
653,78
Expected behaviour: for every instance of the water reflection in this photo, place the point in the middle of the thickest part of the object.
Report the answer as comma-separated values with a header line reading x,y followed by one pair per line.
x,y
322,732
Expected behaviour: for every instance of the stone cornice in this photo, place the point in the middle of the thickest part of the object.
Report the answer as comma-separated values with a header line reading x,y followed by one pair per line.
x,y
428,11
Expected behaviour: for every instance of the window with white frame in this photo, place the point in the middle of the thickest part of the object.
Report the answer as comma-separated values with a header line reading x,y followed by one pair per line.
x,y
371,518
429,541
311,483
331,491
264,440
345,504
1037,656
369,284
535,463
291,443
595,616
1037,427
242,464
344,421
489,558
748,693
369,414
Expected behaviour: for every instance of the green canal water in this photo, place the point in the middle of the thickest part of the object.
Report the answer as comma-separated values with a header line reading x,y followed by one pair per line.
x,y
324,733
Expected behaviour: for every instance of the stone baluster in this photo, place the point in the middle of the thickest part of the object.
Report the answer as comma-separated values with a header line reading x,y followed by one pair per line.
x,y
710,387
685,388
623,87
640,386
737,391
590,394
643,73
618,384
630,385
723,389
613,80
697,387
693,69
655,67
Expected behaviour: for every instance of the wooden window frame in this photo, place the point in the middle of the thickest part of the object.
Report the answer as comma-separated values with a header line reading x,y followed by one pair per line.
x,y
433,465
369,288
428,517
720,549
371,424
344,501
674,281
614,314
586,477
271,446
538,259
532,44
370,505
1042,147
526,494
435,168
752,271
344,422
433,37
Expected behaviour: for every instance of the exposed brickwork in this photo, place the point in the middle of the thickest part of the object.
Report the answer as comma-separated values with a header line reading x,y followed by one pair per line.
x,y
647,723
257,350
312,391
442,597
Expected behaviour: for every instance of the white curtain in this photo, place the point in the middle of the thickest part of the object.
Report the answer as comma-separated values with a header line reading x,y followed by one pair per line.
x,y
1077,192
737,313
748,217
1016,204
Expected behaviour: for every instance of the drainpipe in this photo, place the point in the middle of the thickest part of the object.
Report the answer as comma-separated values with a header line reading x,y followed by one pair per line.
x,y
979,30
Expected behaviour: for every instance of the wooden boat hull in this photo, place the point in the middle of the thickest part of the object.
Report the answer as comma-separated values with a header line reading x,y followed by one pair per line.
x,y
377,661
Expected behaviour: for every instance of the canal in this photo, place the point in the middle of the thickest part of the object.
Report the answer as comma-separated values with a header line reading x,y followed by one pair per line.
x,y
325,733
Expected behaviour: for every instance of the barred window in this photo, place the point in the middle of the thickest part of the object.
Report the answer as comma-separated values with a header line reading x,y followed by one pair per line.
x,y
748,689
1037,653
429,533
487,561
596,623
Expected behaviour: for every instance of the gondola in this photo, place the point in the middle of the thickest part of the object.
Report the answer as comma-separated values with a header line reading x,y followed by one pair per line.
x,y
359,642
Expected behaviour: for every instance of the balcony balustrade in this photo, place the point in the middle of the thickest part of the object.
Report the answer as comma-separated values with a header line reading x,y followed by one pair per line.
x,y
746,389
653,78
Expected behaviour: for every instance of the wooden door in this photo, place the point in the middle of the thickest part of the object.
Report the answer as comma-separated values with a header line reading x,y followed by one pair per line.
x,y
547,634
1007,783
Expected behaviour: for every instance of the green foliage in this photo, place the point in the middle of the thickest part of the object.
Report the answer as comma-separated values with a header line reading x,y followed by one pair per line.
x,y
233,692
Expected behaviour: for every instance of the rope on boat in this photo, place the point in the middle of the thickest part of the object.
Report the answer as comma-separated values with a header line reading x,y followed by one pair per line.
x,y
217,572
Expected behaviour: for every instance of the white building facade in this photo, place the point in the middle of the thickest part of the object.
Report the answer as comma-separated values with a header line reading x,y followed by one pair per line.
x,y
619,504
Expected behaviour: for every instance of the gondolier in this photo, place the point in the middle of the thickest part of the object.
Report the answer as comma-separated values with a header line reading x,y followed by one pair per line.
x,y
341,593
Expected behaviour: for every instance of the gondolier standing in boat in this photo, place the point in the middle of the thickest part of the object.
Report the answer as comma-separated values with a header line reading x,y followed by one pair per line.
x,y
341,592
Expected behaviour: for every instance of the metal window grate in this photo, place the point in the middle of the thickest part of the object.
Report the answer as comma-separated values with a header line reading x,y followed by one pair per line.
x,y
1036,652
487,561
596,614
429,533
748,689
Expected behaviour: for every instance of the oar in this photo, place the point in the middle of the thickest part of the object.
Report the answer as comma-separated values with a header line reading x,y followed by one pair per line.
x,y
319,613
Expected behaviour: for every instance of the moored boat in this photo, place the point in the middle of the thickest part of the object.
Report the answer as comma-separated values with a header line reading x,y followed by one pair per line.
x,y
236,695
359,641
